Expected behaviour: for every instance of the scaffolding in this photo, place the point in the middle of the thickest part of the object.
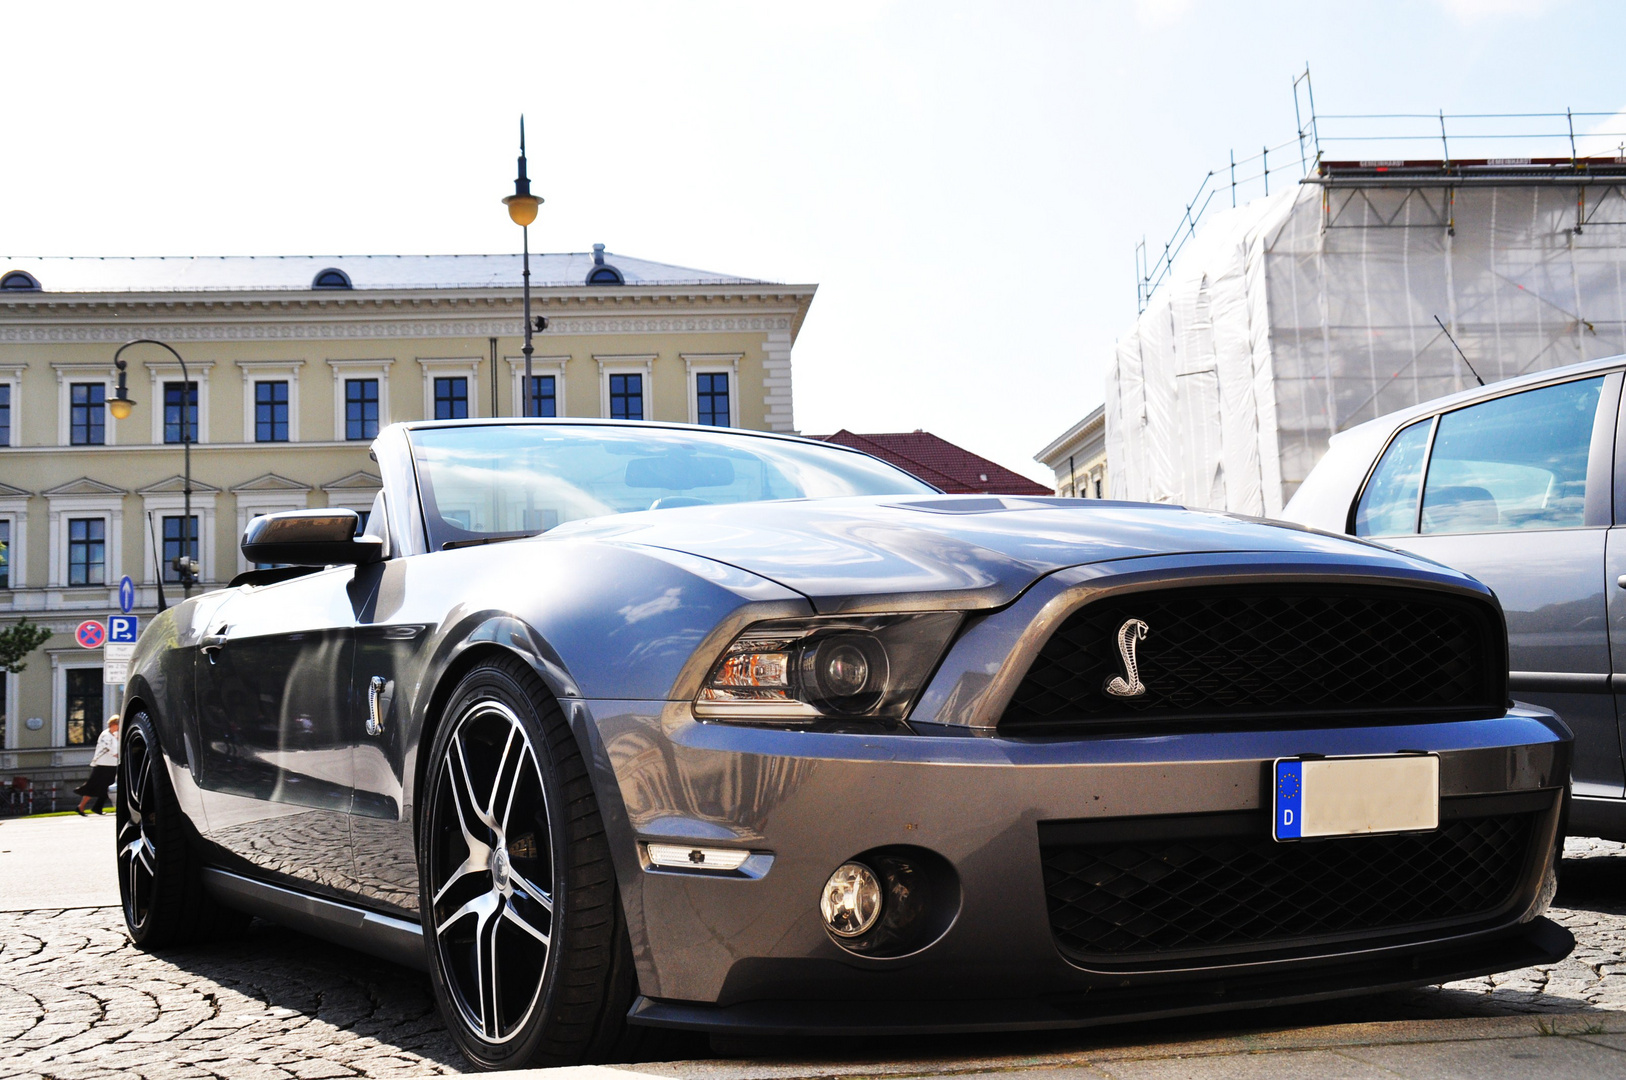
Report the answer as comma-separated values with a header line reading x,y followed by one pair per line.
x,y
1292,316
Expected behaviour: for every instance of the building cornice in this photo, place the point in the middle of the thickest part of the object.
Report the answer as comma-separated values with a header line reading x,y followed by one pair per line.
x,y
1070,440
252,316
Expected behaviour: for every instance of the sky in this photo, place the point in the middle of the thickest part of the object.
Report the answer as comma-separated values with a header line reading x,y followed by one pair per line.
x,y
965,182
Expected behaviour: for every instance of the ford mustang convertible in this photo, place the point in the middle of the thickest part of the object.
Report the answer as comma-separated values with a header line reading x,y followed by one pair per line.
x,y
615,727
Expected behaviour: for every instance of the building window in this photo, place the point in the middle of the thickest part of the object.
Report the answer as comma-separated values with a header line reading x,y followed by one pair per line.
x,y
84,705
711,398
271,412
626,397
5,414
451,397
360,408
180,412
87,551
1098,487
173,541
87,416
544,396
331,278
5,561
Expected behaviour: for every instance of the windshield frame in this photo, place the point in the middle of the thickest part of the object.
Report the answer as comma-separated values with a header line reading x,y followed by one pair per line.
x,y
430,521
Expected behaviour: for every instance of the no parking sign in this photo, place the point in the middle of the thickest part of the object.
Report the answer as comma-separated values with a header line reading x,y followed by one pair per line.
x,y
90,634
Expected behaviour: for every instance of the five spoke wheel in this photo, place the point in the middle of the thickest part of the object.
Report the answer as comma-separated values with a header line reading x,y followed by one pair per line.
x,y
137,854
491,871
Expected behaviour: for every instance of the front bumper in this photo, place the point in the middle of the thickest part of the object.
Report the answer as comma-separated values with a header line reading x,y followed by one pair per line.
x,y
737,952
1538,942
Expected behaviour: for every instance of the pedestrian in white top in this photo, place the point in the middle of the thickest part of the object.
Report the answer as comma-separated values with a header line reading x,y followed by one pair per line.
x,y
103,767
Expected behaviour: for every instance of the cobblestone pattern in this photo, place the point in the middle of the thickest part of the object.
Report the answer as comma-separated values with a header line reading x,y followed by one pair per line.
x,y
79,1002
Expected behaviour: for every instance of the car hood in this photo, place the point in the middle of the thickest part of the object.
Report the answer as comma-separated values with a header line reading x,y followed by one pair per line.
x,y
961,551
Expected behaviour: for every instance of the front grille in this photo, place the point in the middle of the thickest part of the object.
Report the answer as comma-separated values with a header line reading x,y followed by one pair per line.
x,y
1126,901
1236,652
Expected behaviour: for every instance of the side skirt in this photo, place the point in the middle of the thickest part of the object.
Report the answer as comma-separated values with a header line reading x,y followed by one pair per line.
x,y
390,939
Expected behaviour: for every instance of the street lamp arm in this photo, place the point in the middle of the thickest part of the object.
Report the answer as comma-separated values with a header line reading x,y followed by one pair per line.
x,y
187,536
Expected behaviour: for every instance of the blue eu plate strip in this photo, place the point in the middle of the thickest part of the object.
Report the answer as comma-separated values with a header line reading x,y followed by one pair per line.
x,y
1289,799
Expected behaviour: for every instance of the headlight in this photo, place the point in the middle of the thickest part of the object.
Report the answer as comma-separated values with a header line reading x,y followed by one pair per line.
x,y
799,670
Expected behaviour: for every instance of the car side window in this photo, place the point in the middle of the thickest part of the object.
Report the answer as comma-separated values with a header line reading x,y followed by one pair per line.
x,y
1515,462
1388,506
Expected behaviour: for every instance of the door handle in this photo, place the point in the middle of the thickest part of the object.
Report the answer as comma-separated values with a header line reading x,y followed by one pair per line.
x,y
211,642
375,717
1621,581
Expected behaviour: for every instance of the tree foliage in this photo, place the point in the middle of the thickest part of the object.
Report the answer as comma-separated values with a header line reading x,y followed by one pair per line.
x,y
17,642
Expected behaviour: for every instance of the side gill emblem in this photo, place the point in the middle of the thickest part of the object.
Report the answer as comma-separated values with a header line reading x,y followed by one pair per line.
x,y
1132,631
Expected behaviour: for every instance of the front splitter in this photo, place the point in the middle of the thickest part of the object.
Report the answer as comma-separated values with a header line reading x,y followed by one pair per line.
x,y
1538,942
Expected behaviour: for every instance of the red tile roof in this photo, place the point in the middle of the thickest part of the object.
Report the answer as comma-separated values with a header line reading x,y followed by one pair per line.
x,y
940,463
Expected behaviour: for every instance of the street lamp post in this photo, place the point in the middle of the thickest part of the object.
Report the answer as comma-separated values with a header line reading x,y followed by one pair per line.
x,y
185,566
522,207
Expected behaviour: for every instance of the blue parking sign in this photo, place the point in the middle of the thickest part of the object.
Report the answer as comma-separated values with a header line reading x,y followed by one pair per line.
x,y
121,629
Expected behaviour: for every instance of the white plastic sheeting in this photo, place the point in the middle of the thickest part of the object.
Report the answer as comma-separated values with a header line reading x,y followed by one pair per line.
x,y
1287,321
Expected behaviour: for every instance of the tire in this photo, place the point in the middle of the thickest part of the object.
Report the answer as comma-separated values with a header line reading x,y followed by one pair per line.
x,y
160,874
528,953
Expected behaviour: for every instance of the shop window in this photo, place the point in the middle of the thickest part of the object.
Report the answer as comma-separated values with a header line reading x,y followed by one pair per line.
x,y
83,706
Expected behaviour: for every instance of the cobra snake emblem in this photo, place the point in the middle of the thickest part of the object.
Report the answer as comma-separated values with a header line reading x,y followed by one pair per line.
x,y
1129,633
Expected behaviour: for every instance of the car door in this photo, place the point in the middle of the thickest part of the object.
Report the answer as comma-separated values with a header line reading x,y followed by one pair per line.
x,y
1518,491
389,654
275,709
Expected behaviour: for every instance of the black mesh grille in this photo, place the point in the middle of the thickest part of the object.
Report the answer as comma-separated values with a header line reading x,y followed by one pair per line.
x,y
1256,651
1123,901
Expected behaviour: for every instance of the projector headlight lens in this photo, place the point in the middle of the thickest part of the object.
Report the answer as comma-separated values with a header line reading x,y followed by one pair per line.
x,y
852,900
798,670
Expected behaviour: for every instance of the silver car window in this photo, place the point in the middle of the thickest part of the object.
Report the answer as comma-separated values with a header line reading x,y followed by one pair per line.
x,y
494,480
1515,462
1388,506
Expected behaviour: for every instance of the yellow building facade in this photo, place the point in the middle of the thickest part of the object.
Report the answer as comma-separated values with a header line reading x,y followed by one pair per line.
x,y
293,365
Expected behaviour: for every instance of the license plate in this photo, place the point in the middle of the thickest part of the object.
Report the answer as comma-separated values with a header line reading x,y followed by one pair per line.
x,y
1355,796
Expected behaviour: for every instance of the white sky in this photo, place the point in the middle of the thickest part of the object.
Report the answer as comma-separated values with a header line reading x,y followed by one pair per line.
x,y
965,182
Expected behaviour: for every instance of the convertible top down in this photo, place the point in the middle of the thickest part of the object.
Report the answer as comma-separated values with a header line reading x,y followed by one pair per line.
x,y
612,726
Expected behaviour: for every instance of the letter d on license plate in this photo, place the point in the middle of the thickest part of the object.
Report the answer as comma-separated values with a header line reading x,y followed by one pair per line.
x,y
1355,796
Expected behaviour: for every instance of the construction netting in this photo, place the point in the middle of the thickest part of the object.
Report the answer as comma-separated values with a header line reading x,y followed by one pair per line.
x,y
1299,315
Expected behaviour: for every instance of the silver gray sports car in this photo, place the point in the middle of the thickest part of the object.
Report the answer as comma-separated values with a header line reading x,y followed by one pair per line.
x,y
620,726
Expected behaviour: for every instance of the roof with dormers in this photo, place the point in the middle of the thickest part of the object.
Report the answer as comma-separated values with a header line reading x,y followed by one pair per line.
x,y
260,273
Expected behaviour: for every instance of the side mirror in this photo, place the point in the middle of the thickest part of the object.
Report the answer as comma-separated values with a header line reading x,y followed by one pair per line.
x,y
310,538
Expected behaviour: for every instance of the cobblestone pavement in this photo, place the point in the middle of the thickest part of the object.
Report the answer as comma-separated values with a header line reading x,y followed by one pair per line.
x,y
78,1002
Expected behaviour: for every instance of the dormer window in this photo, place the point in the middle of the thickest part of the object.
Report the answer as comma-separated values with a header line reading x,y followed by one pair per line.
x,y
603,273
331,278
20,281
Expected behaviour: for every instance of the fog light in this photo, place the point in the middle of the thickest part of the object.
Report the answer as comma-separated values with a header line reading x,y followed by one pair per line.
x,y
852,900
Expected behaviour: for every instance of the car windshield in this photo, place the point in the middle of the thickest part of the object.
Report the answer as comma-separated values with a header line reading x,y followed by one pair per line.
x,y
491,481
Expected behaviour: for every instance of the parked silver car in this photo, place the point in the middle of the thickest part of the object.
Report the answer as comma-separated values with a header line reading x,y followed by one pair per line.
x,y
1523,485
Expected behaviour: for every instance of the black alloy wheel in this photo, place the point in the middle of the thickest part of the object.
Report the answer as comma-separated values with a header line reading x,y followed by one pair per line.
x,y
134,814
528,954
160,872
